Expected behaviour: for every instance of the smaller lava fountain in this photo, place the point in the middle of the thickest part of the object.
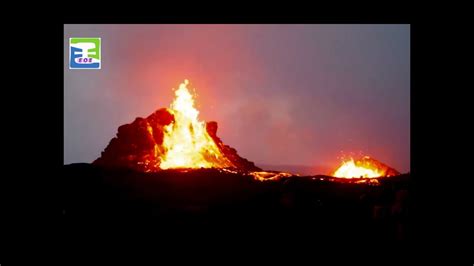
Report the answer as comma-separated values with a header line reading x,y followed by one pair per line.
x,y
365,167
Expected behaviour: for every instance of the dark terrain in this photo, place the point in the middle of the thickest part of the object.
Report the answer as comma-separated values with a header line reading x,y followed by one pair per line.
x,y
211,200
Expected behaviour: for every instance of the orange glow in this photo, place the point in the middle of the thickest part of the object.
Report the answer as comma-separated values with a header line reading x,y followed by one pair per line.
x,y
186,141
365,167
270,176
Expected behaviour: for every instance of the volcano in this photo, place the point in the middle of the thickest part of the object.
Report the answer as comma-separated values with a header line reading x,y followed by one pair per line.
x,y
171,171
171,138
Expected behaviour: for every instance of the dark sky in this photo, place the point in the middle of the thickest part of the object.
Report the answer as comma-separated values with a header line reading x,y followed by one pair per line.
x,y
282,94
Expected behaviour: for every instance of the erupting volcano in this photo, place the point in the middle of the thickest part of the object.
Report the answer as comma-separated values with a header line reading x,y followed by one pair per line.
x,y
184,176
171,138
174,138
365,167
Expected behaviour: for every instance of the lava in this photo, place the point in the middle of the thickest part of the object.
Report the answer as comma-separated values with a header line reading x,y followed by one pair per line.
x,y
365,167
175,138
270,175
171,138
186,141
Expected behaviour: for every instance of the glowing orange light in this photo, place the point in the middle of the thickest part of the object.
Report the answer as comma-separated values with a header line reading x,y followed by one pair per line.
x,y
186,141
365,167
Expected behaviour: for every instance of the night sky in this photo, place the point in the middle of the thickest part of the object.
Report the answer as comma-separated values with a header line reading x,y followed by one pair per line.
x,y
281,94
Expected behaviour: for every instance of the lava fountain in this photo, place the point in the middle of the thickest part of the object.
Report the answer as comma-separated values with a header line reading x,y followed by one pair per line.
x,y
365,167
171,138
186,141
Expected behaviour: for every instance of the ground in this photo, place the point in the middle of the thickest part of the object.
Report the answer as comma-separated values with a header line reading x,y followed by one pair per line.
x,y
215,200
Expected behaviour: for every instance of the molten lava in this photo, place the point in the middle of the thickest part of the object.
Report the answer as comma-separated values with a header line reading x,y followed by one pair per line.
x,y
171,138
174,137
186,141
365,167
270,176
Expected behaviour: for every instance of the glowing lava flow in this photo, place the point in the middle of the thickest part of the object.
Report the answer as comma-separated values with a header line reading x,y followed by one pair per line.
x,y
270,176
186,141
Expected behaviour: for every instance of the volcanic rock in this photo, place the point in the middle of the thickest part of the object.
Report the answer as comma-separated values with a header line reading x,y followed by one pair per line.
x,y
138,145
215,200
